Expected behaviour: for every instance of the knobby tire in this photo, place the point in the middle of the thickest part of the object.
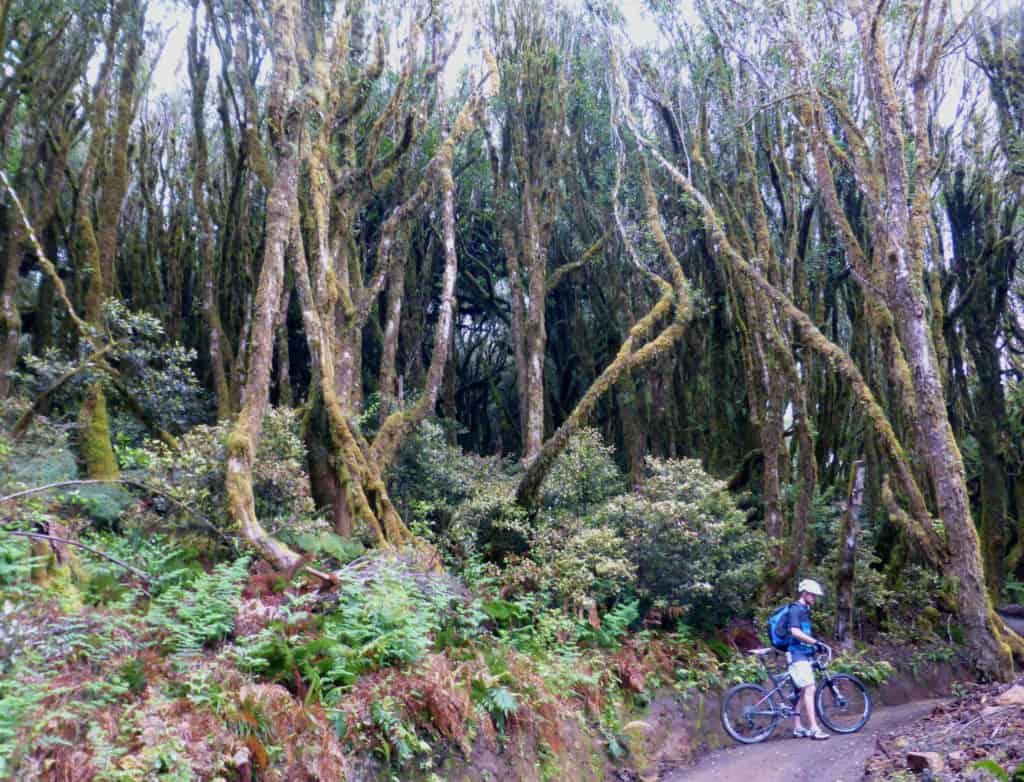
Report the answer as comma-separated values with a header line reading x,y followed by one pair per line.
x,y
748,714
843,703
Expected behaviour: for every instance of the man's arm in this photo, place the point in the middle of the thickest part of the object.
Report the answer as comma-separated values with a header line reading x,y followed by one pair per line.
x,y
797,614
801,636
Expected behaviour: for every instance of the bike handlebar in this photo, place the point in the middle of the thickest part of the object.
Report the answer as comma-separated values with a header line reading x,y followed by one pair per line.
x,y
827,652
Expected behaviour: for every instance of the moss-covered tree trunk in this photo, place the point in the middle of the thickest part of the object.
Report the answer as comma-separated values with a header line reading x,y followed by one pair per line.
x,y
95,444
29,85
528,162
846,573
199,76
642,346
388,382
94,435
902,265
286,115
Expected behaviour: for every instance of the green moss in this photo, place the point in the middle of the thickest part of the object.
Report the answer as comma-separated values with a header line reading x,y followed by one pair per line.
x,y
58,580
103,504
238,442
94,436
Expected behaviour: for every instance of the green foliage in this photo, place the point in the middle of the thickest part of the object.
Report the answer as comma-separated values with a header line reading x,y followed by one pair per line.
x,y
499,702
490,524
16,563
992,768
385,622
103,505
329,544
42,465
18,698
1014,591
401,743
577,560
615,625
872,672
203,690
200,610
159,375
194,477
584,475
430,479
689,542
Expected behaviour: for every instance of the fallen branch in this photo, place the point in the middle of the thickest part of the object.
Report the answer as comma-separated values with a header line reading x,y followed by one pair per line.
x,y
53,538
146,487
126,482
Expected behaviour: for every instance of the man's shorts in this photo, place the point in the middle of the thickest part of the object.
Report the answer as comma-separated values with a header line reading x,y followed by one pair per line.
x,y
802,673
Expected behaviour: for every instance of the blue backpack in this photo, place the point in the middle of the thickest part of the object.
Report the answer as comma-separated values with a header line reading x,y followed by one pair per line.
x,y
778,628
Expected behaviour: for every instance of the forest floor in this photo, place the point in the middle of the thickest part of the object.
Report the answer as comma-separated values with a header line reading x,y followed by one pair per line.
x,y
785,759
960,740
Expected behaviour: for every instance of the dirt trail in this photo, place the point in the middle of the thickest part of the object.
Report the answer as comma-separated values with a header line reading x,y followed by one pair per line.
x,y
840,759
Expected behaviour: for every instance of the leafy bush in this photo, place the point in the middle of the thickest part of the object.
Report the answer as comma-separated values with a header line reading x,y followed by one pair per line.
x,y
688,541
194,476
430,478
159,374
583,476
489,524
575,562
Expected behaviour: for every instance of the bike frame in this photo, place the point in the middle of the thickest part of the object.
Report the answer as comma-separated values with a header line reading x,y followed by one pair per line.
x,y
778,704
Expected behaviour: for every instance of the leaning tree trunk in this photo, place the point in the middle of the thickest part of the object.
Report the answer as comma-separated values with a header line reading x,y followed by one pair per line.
x,y
904,261
637,350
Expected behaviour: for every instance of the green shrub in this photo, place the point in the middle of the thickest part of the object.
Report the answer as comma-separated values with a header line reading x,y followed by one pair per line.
x,y
489,524
193,477
575,562
584,475
430,479
689,542
158,373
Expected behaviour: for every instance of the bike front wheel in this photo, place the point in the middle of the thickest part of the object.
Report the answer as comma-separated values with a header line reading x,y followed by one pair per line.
x,y
748,713
843,703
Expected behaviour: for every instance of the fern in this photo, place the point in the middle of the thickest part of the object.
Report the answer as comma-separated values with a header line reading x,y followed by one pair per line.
x,y
384,623
500,702
201,611
614,625
18,699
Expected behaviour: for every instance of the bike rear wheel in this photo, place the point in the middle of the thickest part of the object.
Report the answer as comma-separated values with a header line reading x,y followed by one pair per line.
x,y
843,703
749,714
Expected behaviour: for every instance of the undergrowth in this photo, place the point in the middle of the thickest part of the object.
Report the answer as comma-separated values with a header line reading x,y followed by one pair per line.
x,y
586,613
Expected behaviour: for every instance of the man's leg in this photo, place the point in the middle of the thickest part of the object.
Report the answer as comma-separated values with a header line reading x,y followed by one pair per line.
x,y
807,706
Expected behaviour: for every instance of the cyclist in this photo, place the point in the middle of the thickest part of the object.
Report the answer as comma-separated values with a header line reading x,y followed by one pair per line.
x,y
801,652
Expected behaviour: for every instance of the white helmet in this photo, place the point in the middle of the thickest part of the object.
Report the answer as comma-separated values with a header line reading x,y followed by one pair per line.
x,y
812,586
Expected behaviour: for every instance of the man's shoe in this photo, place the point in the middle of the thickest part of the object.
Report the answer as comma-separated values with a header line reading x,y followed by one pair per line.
x,y
818,735
801,733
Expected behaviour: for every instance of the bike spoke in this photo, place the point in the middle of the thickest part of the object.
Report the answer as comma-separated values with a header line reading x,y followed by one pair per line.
x,y
844,705
748,714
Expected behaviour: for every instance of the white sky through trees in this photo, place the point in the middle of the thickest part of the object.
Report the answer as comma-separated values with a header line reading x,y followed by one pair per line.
x,y
170,74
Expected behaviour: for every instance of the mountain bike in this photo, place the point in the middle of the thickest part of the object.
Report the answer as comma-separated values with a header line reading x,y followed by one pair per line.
x,y
750,712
